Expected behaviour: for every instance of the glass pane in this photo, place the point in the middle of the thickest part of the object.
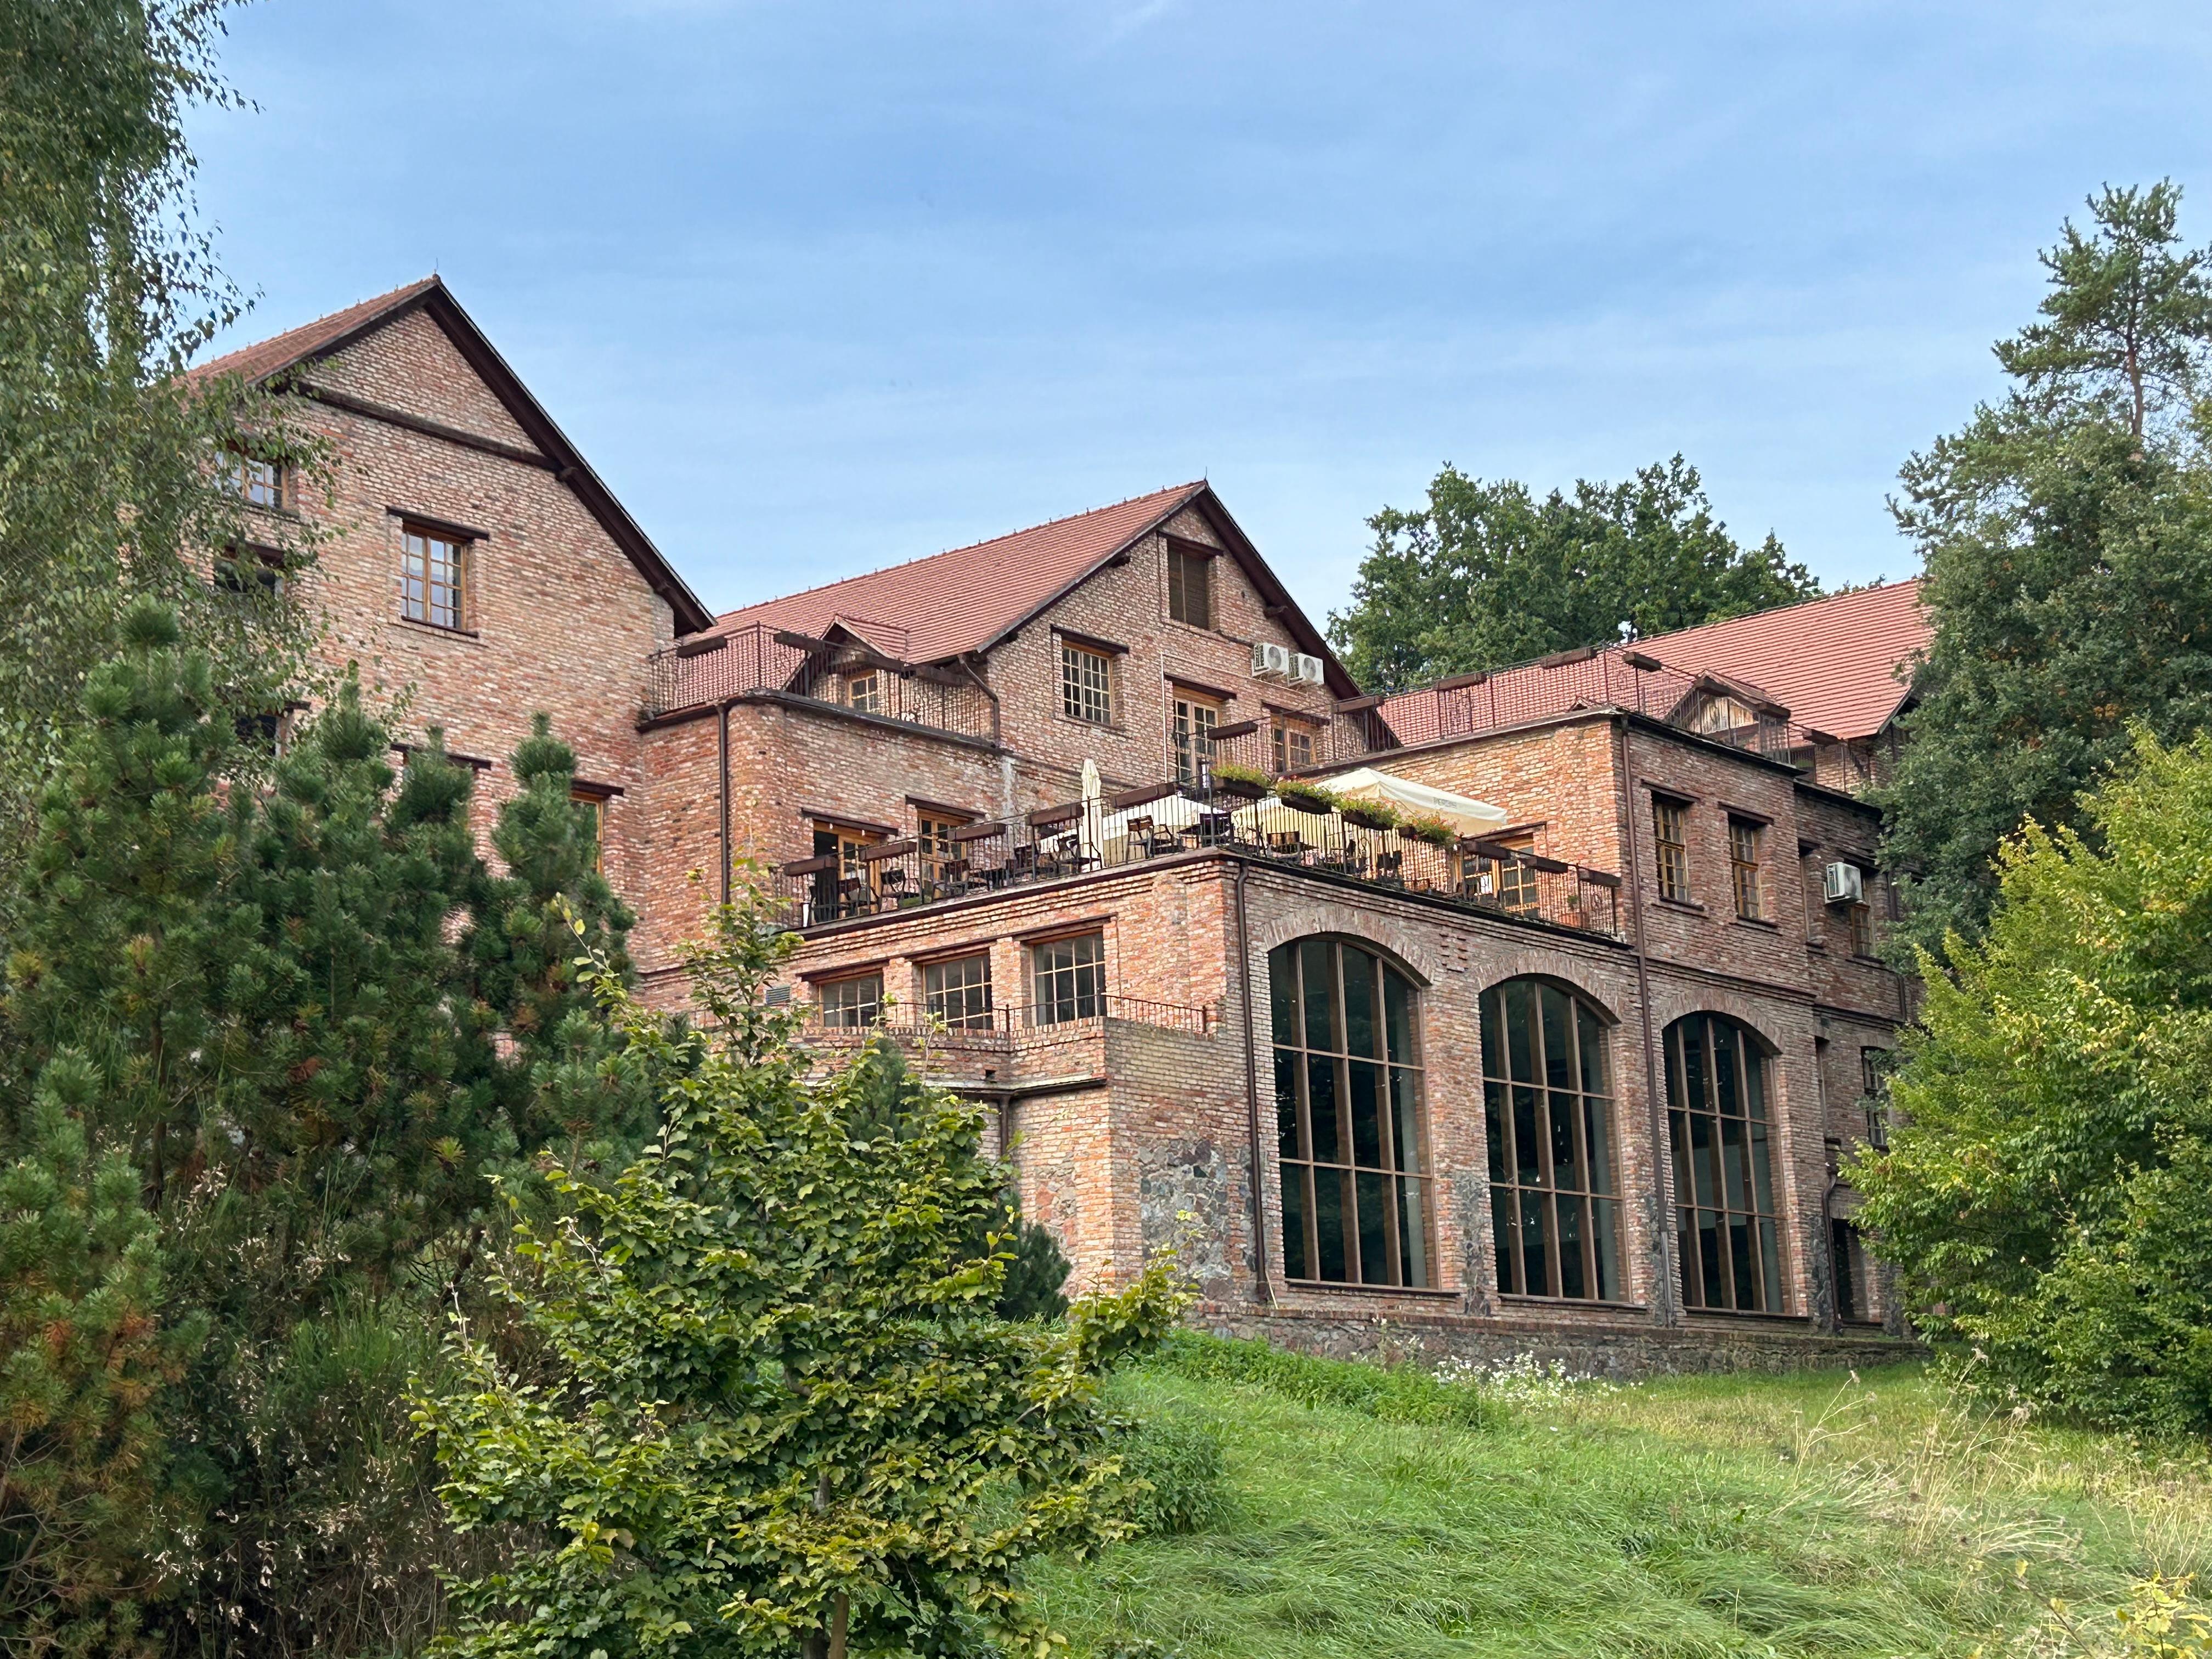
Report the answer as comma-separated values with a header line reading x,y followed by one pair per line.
x,y
1593,1047
1769,1257
1598,1136
1566,1165
1708,1258
1329,1219
1559,1032
1733,1162
1286,1104
1763,1176
1494,1127
1366,1114
1724,1071
1536,1267
1678,1127
1413,1231
1318,974
1692,1096
1360,1032
1374,1193
1493,1014
1527,1145
1502,1231
1398,1016
1322,1109
1518,1038
1571,1281
1282,994
1704,1156
1406,1118
1294,1221
1605,1246
1754,1079
1685,1254
1747,1276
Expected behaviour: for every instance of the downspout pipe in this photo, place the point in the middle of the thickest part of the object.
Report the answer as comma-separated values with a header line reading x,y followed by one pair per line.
x,y
1260,1254
722,794
1663,1291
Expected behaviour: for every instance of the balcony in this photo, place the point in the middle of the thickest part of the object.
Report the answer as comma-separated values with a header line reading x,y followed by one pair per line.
x,y
849,675
1353,842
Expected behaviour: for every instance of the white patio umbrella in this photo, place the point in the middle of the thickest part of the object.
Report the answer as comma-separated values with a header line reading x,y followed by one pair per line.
x,y
1464,813
1093,793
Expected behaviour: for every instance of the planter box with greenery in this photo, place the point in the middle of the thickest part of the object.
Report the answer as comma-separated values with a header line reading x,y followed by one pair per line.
x,y
1435,831
1367,815
1240,781
1304,797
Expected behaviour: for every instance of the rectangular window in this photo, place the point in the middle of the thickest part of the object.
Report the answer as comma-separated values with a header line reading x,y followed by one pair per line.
x,y
1670,831
1294,747
959,992
1847,1255
1086,684
850,889
1070,975
1517,882
433,577
1192,735
592,816
864,691
250,570
853,1004
1743,868
933,831
1874,1078
260,483
1862,919
1190,591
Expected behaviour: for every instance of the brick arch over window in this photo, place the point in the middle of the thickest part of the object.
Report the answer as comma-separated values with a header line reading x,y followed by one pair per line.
x,y
1408,948
1670,1005
1552,971
1550,1121
1723,1131
1352,1139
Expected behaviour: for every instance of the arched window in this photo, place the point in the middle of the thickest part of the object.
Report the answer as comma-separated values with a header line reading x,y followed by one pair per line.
x,y
1547,1101
1729,1228
1348,1115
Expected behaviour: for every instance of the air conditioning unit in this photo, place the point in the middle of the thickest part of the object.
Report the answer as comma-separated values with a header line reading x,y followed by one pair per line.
x,y
1270,661
1842,884
1306,668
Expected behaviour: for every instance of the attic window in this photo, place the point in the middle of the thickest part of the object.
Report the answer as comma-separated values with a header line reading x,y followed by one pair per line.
x,y
434,572
1190,586
1086,683
256,481
1716,714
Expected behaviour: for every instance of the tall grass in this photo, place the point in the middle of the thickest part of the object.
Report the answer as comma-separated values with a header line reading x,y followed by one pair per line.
x,y
1811,1515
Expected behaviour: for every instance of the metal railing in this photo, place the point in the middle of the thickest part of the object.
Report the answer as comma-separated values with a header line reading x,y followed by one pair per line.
x,y
1139,825
1016,1025
756,661
1709,705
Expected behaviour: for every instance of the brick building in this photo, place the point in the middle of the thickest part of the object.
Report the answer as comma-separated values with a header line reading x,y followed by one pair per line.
x,y
1544,1027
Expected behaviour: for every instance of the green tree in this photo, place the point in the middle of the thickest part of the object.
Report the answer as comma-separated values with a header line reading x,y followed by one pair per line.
x,y
776,1409
2047,1195
110,486
1486,574
85,1358
2067,534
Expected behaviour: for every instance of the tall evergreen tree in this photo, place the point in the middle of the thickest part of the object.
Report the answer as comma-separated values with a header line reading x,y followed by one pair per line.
x,y
2067,533
1486,574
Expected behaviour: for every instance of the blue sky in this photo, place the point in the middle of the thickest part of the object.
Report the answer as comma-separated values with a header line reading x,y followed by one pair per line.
x,y
820,287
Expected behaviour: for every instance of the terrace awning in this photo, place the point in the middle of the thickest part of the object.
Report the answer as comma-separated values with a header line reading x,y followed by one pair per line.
x,y
1464,813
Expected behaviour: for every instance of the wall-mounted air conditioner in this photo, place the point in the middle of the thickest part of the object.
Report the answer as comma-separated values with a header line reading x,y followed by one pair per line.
x,y
1306,668
1842,884
1270,661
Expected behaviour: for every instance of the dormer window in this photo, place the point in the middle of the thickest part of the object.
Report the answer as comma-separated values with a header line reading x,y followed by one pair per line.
x,y
1190,587
1718,714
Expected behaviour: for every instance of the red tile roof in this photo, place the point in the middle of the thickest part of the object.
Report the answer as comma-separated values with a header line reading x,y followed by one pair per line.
x,y
968,599
315,339
1831,662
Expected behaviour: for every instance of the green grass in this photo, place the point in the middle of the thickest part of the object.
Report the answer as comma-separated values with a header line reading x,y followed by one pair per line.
x,y
1802,1515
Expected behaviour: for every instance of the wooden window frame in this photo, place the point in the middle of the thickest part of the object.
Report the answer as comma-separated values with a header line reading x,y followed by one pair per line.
x,y
1190,738
1670,847
418,602
1289,735
862,1012
1745,880
1711,1177
595,800
962,1003
1874,1091
1183,564
932,834
1080,688
1069,992
1527,1190
870,700
268,490
1860,921
1392,1177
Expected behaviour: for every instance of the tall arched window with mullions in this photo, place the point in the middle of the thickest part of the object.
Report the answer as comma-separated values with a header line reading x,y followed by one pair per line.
x,y
1548,1104
1355,1203
1729,1230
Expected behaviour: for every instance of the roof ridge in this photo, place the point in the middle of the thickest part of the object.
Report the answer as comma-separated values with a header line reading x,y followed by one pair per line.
x,y
1776,610
964,547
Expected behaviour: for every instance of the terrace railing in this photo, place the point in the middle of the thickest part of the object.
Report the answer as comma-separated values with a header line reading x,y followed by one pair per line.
x,y
760,662
1350,842
1020,1025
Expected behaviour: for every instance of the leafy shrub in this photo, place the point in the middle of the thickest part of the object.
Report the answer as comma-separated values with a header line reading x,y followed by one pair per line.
x,y
1396,1394
1184,1465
